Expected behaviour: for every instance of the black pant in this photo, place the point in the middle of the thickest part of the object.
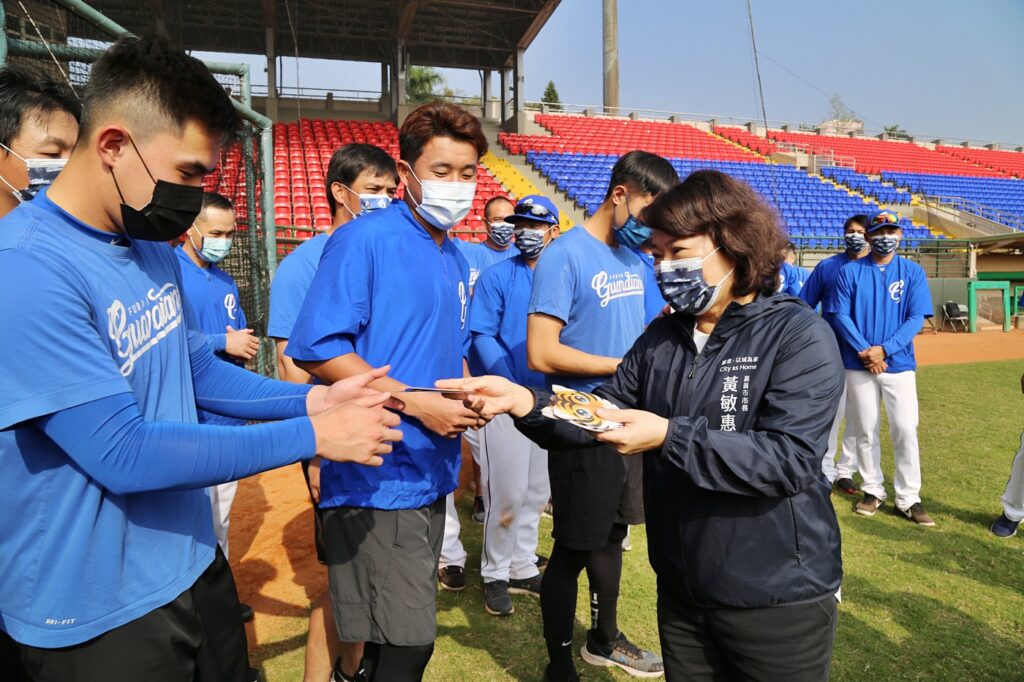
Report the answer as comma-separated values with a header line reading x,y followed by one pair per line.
x,y
792,643
198,637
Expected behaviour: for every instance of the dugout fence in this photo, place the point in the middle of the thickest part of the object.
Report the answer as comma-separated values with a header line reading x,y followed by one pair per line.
x,y
63,38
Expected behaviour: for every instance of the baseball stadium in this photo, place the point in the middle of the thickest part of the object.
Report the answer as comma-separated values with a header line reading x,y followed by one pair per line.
x,y
307,77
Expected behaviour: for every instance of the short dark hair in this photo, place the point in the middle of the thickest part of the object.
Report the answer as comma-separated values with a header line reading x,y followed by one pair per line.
x,y
148,71
348,163
859,219
494,200
734,216
643,172
214,200
25,92
790,247
438,120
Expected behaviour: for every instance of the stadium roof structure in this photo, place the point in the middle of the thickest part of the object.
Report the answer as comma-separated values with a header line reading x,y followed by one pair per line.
x,y
467,34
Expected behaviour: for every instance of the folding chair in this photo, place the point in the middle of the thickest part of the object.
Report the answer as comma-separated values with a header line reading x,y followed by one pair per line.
x,y
954,313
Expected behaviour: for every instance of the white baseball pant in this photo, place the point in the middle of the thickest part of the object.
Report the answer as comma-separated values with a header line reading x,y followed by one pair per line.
x,y
865,394
514,473
221,498
1013,496
846,466
452,551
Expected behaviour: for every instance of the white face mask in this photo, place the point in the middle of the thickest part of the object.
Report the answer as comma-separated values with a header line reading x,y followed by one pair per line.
x,y
444,204
41,172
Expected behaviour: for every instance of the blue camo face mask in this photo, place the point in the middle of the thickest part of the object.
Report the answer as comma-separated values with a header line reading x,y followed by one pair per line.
x,y
855,242
883,245
683,286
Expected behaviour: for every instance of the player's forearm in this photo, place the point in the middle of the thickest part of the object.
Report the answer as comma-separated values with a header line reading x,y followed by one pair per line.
x,y
492,356
557,358
286,368
848,330
344,366
904,335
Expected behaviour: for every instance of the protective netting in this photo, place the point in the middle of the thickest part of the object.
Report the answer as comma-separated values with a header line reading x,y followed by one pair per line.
x,y
238,175
990,307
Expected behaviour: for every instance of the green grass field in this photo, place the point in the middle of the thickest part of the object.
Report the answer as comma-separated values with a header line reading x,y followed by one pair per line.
x,y
945,603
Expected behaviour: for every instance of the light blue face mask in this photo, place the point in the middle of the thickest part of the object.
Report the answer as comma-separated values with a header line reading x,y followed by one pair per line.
x,y
214,248
368,203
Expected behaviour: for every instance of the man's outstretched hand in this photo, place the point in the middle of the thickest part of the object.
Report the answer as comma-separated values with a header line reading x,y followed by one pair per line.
x,y
358,431
322,398
490,396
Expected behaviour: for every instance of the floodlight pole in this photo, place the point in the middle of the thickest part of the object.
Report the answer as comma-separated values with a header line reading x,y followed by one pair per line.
x,y
611,55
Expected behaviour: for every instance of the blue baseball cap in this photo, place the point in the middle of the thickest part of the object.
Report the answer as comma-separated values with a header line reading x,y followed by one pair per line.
x,y
882,219
535,207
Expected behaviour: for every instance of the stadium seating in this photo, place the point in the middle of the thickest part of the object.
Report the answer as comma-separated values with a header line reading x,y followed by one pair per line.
x,y
1005,194
874,156
1011,163
514,181
884,194
760,145
813,211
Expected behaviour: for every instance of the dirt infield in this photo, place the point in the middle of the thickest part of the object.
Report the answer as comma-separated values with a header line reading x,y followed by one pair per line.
x,y
272,529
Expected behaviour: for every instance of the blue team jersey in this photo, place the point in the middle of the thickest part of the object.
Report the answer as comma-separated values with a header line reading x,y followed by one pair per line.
x,y
388,292
87,319
791,279
501,300
480,257
878,301
654,302
598,291
291,282
216,303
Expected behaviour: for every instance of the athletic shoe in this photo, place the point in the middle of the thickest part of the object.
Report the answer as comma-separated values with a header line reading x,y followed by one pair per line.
x,y
496,599
846,486
1004,527
338,676
918,515
869,505
623,654
542,562
478,509
627,544
453,578
575,677
246,612
528,586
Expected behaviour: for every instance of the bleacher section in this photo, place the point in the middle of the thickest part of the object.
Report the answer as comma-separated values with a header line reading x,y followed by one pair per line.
x,y
514,182
868,187
813,211
228,179
760,145
1005,194
617,136
874,156
1011,163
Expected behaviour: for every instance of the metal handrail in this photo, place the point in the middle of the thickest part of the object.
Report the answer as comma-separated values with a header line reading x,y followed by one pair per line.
x,y
989,213
303,92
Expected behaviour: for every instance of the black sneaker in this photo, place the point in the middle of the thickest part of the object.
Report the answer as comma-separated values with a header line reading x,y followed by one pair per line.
x,y
623,654
527,586
574,677
478,509
246,612
496,599
453,578
846,486
542,562
338,676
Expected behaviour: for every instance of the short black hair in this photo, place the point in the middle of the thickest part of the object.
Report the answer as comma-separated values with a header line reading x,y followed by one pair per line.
x,y
494,200
790,247
214,200
25,91
859,219
644,172
348,163
148,71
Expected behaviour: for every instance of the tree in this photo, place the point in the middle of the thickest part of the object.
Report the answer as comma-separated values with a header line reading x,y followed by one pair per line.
x,y
550,97
423,83
895,132
837,109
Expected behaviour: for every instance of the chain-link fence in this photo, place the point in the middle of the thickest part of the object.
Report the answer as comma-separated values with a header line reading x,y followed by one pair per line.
x,y
46,36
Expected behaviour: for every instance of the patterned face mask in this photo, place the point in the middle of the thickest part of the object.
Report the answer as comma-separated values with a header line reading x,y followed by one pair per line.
x,y
683,286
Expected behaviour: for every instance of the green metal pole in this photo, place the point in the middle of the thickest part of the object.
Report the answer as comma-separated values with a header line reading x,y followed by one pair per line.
x,y
3,38
269,223
972,308
1006,307
94,17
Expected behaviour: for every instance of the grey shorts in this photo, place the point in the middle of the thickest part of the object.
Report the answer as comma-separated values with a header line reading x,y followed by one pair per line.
x,y
382,570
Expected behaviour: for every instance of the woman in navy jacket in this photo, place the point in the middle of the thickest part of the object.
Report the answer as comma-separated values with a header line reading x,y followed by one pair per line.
x,y
730,400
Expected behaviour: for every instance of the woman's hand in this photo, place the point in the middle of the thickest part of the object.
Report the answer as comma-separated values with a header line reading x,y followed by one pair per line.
x,y
641,431
490,396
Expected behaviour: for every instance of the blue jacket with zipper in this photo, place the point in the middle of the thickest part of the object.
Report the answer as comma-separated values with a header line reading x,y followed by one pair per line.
x,y
738,510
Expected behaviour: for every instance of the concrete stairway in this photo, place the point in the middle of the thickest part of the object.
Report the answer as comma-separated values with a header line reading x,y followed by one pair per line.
x,y
566,208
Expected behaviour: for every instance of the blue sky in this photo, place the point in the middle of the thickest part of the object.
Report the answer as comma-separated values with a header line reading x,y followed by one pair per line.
x,y
938,68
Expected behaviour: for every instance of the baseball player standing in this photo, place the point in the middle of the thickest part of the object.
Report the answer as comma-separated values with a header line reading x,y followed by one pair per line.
x,y
879,305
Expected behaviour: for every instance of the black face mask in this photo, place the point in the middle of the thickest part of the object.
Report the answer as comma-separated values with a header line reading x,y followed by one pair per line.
x,y
167,216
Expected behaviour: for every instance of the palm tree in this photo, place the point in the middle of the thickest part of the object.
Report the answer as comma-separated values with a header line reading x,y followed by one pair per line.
x,y
895,132
422,84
